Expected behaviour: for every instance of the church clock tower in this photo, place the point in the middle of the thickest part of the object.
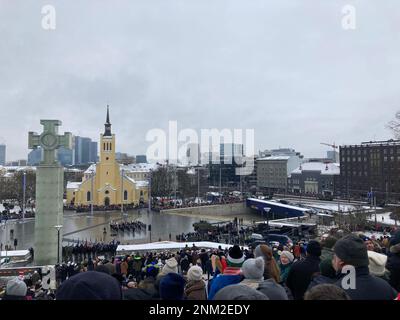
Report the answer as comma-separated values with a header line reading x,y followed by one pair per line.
x,y
107,170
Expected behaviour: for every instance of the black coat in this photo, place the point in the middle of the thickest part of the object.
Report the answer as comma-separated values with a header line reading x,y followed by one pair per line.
x,y
300,276
139,294
393,265
368,287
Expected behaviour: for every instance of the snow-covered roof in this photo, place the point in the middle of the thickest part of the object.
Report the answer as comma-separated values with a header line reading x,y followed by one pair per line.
x,y
91,169
73,185
139,167
324,168
138,183
142,184
273,158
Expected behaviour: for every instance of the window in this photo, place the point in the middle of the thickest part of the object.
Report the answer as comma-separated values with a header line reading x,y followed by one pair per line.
x,y
107,192
88,196
125,195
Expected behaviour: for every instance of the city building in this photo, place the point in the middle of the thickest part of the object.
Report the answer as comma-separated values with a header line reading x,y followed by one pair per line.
x,y
373,165
273,171
224,173
333,156
64,156
280,152
193,154
314,178
141,158
106,183
2,154
85,150
17,163
124,158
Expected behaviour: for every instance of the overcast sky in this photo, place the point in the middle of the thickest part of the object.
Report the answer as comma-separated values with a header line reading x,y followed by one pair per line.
x,y
285,68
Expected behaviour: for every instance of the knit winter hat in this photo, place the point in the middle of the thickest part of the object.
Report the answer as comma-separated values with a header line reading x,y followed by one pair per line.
x,y
314,248
253,268
171,265
90,285
352,250
377,263
239,292
172,287
195,273
16,287
235,256
288,255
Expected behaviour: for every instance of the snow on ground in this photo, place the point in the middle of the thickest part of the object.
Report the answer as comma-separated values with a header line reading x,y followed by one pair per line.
x,y
383,218
333,206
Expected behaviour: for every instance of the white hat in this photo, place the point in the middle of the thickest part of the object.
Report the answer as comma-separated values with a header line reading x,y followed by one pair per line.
x,y
171,266
377,263
195,273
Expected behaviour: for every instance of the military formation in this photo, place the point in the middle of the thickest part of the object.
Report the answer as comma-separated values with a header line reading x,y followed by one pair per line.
x,y
132,226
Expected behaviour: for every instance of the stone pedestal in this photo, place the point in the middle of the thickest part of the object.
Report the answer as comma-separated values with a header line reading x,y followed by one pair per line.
x,y
49,213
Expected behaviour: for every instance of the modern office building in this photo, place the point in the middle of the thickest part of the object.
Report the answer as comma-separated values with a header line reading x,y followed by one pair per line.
x,y
2,154
85,150
141,158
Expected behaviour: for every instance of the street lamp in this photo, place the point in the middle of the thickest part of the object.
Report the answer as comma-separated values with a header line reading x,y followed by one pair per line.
x,y
92,195
23,197
122,191
58,227
149,191
267,210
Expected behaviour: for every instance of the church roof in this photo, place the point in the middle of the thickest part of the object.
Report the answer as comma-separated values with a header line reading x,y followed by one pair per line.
x,y
107,125
73,185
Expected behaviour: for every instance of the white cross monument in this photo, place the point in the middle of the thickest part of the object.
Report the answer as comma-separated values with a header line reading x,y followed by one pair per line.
x,y
49,192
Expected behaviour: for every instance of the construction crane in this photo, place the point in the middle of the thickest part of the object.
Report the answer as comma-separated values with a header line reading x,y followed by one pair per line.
x,y
334,146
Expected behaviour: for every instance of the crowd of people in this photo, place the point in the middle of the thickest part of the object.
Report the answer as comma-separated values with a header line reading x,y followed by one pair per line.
x,y
312,270
83,250
132,226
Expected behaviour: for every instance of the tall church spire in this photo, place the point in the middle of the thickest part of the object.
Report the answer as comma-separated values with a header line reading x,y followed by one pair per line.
x,y
107,125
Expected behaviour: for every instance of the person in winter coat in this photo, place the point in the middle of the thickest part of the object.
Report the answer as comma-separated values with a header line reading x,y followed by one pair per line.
x,y
195,288
376,266
185,264
351,251
137,267
271,269
393,263
231,275
301,273
285,264
146,289
327,256
124,267
253,272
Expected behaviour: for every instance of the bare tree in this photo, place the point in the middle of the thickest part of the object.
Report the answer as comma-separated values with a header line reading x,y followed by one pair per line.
x,y
394,125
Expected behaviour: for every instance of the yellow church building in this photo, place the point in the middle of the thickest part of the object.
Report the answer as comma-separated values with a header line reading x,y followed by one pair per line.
x,y
106,183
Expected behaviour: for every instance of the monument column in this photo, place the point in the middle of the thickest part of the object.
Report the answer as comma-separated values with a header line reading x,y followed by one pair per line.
x,y
49,192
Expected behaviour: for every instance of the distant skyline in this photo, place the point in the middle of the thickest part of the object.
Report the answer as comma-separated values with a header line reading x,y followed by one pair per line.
x,y
286,69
